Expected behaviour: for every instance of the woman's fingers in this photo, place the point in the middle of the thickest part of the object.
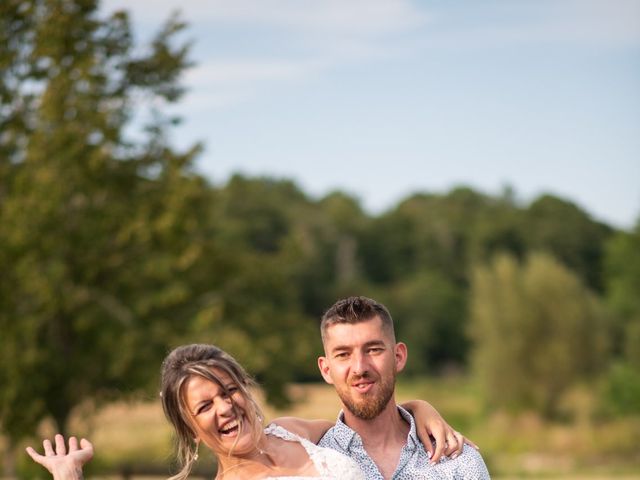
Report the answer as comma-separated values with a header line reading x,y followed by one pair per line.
x,y
451,445
35,455
469,442
61,449
440,439
460,443
73,444
48,448
86,444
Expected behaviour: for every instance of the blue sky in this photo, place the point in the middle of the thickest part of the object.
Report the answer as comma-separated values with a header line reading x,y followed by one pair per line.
x,y
382,98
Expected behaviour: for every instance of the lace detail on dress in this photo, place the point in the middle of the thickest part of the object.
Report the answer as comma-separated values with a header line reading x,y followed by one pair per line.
x,y
330,464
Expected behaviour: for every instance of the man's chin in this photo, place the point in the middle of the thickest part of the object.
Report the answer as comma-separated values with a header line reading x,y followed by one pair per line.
x,y
366,409
366,413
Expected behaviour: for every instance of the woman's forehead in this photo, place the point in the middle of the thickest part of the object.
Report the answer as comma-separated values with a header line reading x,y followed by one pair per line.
x,y
198,384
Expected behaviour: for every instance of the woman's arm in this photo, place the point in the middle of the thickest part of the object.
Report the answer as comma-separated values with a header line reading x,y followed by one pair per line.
x,y
63,465
430,424
310,429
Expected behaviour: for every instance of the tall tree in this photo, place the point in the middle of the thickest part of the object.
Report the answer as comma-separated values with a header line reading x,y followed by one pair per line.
x,y
95,228
536,330
568,233
258,313
429,311
623,285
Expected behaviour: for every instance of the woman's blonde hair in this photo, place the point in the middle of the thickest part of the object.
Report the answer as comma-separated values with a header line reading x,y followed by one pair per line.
x,y
204,361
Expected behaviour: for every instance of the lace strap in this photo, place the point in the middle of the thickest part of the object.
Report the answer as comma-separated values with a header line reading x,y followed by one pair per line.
x,y
281,432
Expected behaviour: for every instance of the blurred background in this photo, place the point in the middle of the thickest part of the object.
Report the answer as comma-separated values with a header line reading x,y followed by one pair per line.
x,y
222,172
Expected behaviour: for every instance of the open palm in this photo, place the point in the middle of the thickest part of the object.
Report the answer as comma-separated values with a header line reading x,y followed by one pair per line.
x,y
63,464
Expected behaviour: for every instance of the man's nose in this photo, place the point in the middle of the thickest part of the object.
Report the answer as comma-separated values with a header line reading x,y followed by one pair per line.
x,y
360,364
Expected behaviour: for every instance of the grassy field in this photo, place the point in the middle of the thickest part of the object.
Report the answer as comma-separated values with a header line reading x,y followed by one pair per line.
x,y
136,436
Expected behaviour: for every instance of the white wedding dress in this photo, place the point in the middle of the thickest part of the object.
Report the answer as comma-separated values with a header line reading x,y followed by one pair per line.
x,y
330,464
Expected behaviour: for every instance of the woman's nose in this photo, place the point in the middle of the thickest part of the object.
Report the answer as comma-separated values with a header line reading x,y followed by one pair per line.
x,y
224,405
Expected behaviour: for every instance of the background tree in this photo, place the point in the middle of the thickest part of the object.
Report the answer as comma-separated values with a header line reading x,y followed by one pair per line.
x,y
420,253
623,285
96,230
260,312
536,330
568,233
113,250
429,311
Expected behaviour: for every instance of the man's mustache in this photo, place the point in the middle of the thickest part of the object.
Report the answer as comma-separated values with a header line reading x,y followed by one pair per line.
x,y
360,376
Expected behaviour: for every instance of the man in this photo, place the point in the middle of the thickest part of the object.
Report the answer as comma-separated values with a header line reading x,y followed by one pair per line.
x,y
361,361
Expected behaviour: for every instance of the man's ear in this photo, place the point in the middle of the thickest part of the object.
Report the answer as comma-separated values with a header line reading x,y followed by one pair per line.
x,y
401,356
323,365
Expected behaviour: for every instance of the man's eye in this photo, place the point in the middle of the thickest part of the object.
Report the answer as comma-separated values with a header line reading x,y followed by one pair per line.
x,y
375,350
341,355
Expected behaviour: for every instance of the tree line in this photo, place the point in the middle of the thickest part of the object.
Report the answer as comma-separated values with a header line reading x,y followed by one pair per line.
x,y
113,248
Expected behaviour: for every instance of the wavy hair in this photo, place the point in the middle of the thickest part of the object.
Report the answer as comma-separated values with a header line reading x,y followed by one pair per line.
x,y
206,361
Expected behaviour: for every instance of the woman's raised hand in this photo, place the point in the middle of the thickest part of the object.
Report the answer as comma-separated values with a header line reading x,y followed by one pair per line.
x,y
63,464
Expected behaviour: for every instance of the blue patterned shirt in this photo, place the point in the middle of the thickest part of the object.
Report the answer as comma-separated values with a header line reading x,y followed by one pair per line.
x,y
414,459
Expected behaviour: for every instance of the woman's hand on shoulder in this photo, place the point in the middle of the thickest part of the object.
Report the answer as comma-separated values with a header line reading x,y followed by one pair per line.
x,y
312,430
430,425
61,464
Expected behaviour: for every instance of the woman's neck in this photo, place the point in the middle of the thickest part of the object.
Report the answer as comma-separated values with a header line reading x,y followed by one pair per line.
x,y
245,465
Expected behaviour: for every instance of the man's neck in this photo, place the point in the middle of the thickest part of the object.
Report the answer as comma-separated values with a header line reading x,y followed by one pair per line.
x,y
382,437
385,430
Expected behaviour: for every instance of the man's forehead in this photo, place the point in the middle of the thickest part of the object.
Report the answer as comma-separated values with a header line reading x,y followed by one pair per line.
x,y
372,327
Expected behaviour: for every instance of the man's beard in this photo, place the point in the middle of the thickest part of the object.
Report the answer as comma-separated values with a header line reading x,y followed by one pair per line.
x,y
373,403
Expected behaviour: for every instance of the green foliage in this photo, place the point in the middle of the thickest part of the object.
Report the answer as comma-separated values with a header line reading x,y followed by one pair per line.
x,y
421,252
622,389
536,330
565,231
623,285
429,311
95,232
253,304
442,233
113,250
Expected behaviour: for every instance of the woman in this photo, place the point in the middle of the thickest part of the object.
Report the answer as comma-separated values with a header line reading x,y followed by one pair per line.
x,y
206,396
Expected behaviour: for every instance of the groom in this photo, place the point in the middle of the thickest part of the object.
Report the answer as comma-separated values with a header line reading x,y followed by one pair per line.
x,y
361,361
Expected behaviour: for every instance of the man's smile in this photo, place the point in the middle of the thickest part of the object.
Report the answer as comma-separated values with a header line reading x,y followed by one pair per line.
x,y
363,385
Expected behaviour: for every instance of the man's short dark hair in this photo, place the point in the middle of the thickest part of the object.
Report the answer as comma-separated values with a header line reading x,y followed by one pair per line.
x,y
353,310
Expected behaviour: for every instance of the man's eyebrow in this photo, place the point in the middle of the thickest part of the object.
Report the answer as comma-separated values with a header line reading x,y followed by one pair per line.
x,y
374,343
341,347
371,343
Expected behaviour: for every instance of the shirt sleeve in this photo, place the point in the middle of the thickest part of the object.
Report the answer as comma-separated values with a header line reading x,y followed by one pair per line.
x,y
471,465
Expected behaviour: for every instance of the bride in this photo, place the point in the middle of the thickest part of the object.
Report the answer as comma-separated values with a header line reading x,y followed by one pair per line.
x,y
206,396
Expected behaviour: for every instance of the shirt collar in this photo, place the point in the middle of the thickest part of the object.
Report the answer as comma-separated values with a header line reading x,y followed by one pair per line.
x,y
346,437
412,439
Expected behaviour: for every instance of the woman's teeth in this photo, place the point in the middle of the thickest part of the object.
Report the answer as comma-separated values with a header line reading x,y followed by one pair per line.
x,y
229,427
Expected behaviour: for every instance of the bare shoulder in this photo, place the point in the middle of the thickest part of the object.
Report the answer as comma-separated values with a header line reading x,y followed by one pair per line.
x,y
312,430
